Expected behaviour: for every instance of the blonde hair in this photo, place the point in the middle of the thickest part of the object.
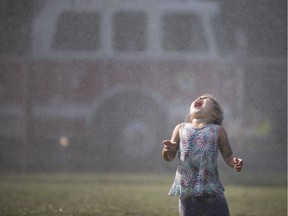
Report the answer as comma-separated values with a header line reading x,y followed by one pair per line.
x,y
218,117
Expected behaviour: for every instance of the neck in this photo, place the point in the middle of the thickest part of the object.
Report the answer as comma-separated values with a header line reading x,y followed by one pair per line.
x,y
200,122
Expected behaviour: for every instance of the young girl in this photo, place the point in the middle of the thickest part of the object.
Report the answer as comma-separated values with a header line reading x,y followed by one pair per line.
x,y
197,182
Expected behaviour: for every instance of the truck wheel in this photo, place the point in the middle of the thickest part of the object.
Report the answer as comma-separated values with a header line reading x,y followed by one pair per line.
x,y
127,132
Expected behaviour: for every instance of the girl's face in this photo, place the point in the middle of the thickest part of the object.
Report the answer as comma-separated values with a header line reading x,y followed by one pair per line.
x,y
202,107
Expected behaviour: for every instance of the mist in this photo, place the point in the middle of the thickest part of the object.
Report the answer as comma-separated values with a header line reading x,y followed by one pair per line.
x,y
95,86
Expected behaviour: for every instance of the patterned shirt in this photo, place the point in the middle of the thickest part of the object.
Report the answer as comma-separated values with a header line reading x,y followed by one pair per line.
x,y
197,173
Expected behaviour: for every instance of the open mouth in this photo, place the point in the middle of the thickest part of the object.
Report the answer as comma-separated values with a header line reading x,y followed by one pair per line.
x,y
198,103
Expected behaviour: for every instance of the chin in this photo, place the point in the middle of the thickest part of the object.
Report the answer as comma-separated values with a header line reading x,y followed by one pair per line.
x,y
195,110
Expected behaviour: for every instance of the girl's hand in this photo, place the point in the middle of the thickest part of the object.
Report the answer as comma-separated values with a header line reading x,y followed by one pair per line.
x,y
169,150
238,164
169,146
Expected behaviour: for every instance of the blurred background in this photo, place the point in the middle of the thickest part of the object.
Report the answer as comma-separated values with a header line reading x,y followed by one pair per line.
x,y
96,85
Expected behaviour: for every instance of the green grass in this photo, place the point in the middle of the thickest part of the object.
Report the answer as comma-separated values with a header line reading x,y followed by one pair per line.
x,y
120,195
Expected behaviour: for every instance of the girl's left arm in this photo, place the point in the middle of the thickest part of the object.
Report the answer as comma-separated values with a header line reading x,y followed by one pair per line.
x,y
226,151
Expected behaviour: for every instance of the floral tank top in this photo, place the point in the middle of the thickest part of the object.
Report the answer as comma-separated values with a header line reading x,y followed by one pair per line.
x,y
197,173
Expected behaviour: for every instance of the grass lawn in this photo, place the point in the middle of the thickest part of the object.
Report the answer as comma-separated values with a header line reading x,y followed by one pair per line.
x,y
120,195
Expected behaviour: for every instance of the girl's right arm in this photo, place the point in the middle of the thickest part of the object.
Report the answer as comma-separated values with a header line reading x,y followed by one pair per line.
x,y
170,147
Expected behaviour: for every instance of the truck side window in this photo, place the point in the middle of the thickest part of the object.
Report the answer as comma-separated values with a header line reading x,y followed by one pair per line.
x,y
77,31
15,26
224,35
183,33
129,31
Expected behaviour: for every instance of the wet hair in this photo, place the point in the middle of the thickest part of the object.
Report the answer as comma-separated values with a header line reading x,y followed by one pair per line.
x,y
218,118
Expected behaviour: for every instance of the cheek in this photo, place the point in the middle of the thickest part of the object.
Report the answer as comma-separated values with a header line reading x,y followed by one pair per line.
x,y
211,107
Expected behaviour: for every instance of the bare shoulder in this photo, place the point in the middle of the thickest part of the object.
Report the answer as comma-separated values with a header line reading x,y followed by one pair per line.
x,y
176,132
179,127
221,129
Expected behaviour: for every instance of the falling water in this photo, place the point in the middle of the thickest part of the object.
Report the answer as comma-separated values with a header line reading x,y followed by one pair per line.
x,y
97,85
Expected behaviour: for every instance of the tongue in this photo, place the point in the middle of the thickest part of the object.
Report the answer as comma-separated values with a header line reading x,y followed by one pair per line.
x,y
198,104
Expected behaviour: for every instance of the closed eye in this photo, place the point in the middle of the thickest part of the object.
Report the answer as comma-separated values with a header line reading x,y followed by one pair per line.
x,y
202,98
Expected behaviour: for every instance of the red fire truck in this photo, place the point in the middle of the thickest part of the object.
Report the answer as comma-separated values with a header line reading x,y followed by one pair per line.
x,y
106,81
